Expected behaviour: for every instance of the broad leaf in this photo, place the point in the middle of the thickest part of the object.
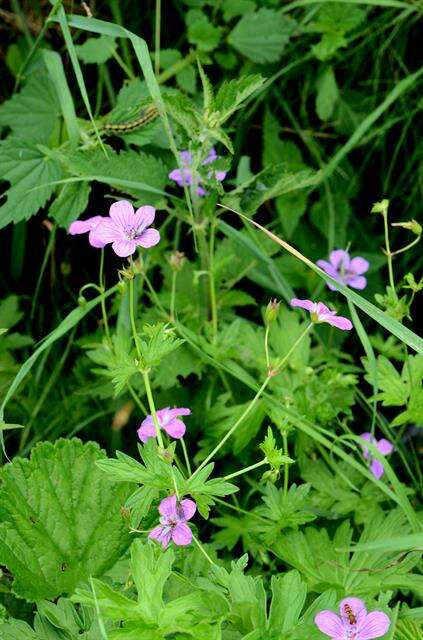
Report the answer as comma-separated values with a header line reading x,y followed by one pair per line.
x,y
262,36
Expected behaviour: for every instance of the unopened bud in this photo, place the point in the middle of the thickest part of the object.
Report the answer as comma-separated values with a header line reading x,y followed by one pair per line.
x,y
272,310
165,455
381,207
82,301
176,260
411,225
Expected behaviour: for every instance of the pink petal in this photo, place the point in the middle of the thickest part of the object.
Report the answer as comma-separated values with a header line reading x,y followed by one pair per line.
x,y
211,157
179,411
148,238
108,231
330,624
375,625
385,447
175,428
124,248
144,216
329,269
358,608
220,175
162,535
188,508
340,259
83,226
95,240
359,265
304,304
338,321
377,469
163,416
181,534
186,158
147,429
322,309
368,437
356,282
181,176
167,508
122,213
201,192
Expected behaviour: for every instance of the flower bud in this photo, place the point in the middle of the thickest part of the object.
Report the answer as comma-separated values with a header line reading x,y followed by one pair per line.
x,y
411,225
381,207
82,301
272,310
176,260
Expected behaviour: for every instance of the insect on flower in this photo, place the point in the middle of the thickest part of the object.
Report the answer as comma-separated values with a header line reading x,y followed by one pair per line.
x,y
354,623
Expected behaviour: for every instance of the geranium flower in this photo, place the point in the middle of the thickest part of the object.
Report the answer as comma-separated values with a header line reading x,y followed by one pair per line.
x,y
184,177
88,226
383,446
127,229
173,522
168,420
354,624
321,313
347,270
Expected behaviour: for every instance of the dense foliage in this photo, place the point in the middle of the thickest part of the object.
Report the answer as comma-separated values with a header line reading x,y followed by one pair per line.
x,y
210,369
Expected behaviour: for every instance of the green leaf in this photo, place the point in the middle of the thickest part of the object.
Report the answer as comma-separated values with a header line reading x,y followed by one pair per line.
x,y
17,629
30,171
233,8
327,94
203,490
32,113
9,312
70,203
394,390
202,32
67,525
96,50
262,36
181,109
288,598
230,97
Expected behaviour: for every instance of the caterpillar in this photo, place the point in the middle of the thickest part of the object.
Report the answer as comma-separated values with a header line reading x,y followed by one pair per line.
x,y
147,115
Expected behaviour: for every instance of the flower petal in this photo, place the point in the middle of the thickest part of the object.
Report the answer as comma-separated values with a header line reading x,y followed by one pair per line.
x,y
385,447
211,157
108,231
148,238
356,282
181,534
359,265
337,321
330,624
188,508
179,411
375,625
167,507
83,226
304,304
329,269
146,430
95,240
124,248
340,259
175,428
220,175
368,437
143,218
358,608
323,310
377,469
122,212
162,535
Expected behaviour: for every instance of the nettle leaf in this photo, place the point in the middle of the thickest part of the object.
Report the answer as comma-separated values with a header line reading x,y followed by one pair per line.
x,y
333,20
96,50
32,113
30,170
61,519
201,31
70,203
263,35
183,111
233,8
327,94
230,97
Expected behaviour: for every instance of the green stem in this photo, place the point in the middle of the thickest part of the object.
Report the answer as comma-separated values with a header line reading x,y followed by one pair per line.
x,y
157,38
102,284
186,457
408,246
213,303
228,505
175,68
122,64
246,469
132,317
294,346
266,346
172,296
286,465
153,409
136,399
388,251
202,549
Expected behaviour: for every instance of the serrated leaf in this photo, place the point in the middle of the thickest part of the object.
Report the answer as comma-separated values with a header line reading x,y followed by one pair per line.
x,y
327,94
262,36
231,95
288,597
202,32
70,203
182,110
31,114
233,8
96,50
60,519
30,171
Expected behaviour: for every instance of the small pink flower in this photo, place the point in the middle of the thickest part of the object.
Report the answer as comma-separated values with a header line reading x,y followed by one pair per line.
x,y
173,522
128,229
168,420
320,313
383,446
354,624
347,270
88,226
183,177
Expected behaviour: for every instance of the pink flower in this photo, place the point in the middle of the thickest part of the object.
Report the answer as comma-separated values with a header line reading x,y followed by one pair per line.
x,y
383,446
173,522
168,420
184,175
354,624
128,229
345,269
320,313
88,226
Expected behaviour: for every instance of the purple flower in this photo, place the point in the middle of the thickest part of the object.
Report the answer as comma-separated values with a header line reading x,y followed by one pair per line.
x,y
345,269
168,420
354,624
88,226
173,522
320,313
383,446
128,229
184,177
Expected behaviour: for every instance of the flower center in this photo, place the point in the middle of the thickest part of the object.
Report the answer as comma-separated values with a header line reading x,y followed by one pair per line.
x,y
130,232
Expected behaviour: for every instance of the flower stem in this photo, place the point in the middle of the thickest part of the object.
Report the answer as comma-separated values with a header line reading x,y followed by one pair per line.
x,y
213,304
286,465
102,284
132,317
173,296
136,399
186,457
294,346
246,469
202,549
388,251
266,346
153,409
157,38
